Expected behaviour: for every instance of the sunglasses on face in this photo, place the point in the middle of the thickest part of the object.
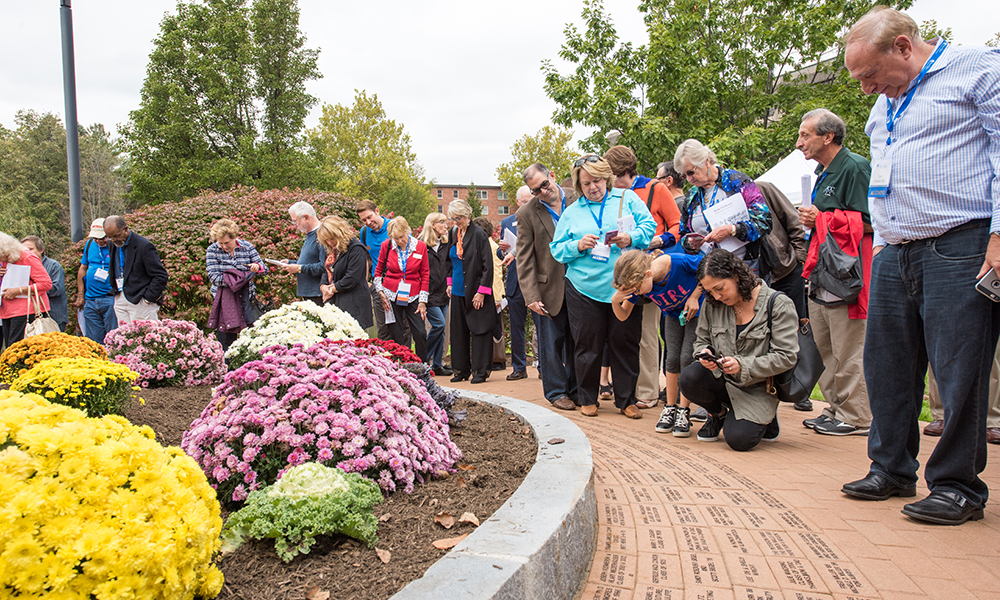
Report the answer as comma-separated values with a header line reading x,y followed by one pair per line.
x,y
592,158
538,190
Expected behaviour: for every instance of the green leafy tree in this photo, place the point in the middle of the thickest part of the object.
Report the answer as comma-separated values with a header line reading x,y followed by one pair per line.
x,y
223,100
550,146
362,150
735,74
472,197
408,199
103,185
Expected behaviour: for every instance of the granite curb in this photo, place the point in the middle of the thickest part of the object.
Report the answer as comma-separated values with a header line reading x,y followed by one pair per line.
x,y
541,542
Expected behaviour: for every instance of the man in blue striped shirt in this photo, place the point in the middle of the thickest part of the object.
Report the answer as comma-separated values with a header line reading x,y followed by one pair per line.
x,y
938,111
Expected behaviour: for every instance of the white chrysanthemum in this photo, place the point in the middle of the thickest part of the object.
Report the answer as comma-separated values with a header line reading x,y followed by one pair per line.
x,y
298,323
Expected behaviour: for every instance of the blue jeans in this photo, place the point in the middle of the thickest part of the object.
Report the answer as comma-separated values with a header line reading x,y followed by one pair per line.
x,y
923,306
99,315
518,319
556,360
435,339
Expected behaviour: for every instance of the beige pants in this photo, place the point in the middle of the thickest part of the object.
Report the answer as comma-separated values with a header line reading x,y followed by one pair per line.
x,y
647,385
128,312
841,343
992,417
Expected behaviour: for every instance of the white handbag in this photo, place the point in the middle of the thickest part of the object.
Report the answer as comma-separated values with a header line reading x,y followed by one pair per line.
x,y
43,323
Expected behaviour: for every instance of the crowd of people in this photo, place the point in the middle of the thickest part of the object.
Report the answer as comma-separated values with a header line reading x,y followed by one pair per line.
x,y
630,278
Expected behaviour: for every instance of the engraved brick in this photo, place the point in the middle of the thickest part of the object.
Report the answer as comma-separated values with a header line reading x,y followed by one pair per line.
x,y
655,538
721,516
796,573
776,543
769,500
792,520
816,545
757,518
644,591
704,570
750,571
696,539
739,541
659,569
640,494
614,515
613,568
737,498
683,514
649,514
752,593
616,539
671,493
845,578
604,592
610,493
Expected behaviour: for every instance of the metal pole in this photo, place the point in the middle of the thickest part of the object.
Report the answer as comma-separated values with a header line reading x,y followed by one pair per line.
x,y
72,133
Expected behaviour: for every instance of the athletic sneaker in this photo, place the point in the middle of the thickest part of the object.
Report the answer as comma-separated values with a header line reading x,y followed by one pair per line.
x,y
838,427
811,423
772,431
682,425
667,418
700,415
711,428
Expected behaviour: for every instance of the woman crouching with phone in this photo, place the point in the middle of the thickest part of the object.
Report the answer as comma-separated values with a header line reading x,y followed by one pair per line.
x,y
737,353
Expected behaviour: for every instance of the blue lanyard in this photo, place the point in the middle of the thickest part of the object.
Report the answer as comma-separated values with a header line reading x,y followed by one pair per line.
x,y
598,219
715,190
403,255
890,118
121,261
555,217
816,187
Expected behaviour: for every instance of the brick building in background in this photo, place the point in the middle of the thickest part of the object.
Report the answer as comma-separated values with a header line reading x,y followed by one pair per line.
x,y
495,203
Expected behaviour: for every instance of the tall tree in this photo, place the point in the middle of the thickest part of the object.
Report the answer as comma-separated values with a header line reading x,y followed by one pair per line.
x,y
222,102
33,172
550,146
409,199
364,151
472,197
735,74
102,179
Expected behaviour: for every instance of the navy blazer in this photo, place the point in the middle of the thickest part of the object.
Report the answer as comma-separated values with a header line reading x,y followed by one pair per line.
x,y
144,275
512,287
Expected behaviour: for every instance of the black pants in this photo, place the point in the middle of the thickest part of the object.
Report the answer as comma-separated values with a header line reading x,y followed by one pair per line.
x,y
13,329
463,361
226,338
593,324
794,287
701,386
397,331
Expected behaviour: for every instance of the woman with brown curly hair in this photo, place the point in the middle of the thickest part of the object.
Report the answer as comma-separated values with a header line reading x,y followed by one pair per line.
x,y
737,352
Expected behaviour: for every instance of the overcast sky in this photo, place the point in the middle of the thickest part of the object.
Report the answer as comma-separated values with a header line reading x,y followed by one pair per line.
x,y
462,76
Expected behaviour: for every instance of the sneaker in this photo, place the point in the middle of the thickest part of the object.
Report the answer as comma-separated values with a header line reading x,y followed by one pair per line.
x,y
838,427
772,431
804,405
667,419
700,415
711,428
682,425
811,423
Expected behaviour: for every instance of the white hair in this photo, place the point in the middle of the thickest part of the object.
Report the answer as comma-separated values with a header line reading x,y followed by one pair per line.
x,y
301,208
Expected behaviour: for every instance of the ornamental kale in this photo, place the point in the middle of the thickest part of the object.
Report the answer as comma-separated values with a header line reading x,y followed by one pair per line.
x,y
335,404
309,500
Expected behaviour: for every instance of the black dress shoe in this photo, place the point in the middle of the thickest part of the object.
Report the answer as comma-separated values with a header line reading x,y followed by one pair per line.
x,y
442,371
517,375
478,378
498,366
804,405
459,377
944,507
877,486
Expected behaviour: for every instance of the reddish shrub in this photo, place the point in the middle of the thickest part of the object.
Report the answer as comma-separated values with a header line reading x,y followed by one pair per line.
x,y
179,230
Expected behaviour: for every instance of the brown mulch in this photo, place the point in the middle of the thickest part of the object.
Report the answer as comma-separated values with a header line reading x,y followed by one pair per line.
x,y
498,451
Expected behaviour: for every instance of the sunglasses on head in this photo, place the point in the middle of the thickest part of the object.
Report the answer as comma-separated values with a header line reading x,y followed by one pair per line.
x,y
591,158
537,190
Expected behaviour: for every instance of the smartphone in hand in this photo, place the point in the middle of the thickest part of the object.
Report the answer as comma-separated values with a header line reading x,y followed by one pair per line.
x,y
989,285
709,356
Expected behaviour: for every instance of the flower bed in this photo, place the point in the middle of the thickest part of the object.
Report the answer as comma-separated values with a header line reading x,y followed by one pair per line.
x,y
335,404
167,352
75,489
21,356
297,323
96,386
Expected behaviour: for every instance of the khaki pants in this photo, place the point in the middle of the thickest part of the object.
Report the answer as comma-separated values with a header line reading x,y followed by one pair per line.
x,y
841,343
647,386
992,417
128,312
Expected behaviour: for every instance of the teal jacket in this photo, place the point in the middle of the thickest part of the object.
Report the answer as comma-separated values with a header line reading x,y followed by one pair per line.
x,y
590,277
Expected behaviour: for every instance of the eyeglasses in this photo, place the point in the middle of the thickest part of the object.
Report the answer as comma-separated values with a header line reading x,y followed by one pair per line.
x,y
661,177
538,190
688,174
590,158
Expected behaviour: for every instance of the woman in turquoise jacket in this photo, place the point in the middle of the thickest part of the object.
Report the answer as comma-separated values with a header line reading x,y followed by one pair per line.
x,y
590,236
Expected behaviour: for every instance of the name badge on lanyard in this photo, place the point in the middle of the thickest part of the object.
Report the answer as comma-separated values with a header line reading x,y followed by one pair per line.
x,y
601,252
403,293
101,274
878,185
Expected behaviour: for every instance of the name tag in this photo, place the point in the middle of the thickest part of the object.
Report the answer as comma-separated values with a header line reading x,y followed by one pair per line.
x,y
101,274
878,186
417,256
626,224
403,294
121,283
601,252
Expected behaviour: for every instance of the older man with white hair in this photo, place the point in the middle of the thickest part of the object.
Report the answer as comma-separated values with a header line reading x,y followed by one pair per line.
x,y
938,106
309,268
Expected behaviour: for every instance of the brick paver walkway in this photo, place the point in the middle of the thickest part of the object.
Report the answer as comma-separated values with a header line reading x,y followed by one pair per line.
x,y
683,520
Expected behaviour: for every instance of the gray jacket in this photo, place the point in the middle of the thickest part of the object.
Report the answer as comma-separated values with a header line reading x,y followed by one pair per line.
x,y
761,353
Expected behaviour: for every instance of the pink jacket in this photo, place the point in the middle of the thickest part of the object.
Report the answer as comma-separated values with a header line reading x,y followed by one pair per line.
x,y
18,307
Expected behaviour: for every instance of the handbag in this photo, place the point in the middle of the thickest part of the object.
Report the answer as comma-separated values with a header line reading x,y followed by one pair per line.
x,y
255,309
798,382
43,323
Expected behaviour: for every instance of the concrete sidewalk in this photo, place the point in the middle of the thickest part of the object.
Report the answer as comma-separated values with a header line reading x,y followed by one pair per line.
x,y
683,519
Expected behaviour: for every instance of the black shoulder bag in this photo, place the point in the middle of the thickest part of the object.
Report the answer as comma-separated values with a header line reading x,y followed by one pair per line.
x,y
798,382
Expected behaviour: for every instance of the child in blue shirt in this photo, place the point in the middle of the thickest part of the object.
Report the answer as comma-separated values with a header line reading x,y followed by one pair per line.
x,y
671,282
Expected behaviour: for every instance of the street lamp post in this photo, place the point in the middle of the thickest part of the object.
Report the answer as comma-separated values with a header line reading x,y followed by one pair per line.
x,y
72,133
